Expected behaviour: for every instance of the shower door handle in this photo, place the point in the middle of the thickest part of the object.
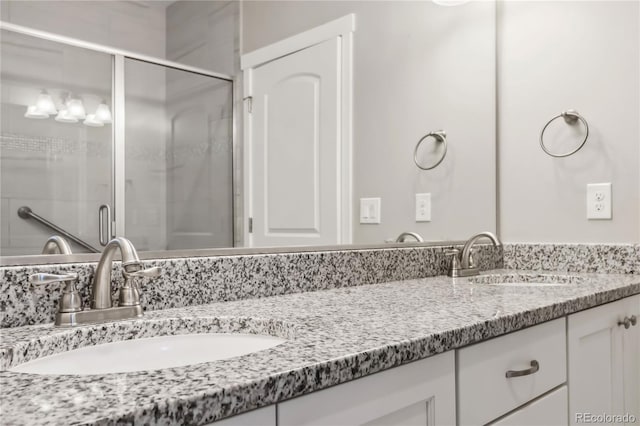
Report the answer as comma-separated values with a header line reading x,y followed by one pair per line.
x,y
104,240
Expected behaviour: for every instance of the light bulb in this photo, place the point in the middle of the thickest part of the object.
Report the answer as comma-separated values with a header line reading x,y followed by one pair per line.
x,y
45,103
92,121
103,113
34,112
76,109
64,117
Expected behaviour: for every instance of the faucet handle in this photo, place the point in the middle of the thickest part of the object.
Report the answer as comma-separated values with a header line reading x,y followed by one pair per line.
x,y
130,292
70,301
52,278
153,272
455,261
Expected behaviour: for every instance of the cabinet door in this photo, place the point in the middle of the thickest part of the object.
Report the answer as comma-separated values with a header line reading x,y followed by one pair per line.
x,y
595,343
420,393
631,359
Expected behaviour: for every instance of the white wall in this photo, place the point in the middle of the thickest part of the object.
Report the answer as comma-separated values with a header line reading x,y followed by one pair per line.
x,y
418,67
555,56
205,34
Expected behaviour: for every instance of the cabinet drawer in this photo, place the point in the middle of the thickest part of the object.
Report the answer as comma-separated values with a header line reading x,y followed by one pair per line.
x,y
550,410
422,392
484,391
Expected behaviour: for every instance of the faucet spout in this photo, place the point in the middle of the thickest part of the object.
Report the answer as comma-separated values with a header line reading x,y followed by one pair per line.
x,y
101,286
465,256
56,245
403,237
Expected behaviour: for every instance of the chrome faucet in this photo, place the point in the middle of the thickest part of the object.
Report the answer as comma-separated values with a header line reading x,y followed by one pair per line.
x,y
462,264
56,245
403,237
70,310
101,286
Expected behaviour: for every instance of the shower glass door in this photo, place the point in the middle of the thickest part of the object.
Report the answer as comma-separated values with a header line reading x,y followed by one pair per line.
x,y
178,158
55,140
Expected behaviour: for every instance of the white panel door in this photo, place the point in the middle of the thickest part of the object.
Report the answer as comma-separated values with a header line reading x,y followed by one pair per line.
x,y
294,148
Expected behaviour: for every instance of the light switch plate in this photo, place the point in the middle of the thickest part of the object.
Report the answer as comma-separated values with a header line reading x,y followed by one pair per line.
x,y
599,201
423,207
370,210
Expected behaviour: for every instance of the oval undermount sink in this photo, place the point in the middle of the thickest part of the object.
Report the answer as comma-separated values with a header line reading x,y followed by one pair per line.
x,y
527,280
149,354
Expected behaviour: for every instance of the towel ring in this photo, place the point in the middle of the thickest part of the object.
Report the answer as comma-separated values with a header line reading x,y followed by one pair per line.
x,y
439,136
571,117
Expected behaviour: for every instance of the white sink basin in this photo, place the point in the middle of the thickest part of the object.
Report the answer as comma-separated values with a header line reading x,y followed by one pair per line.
x,y
149,354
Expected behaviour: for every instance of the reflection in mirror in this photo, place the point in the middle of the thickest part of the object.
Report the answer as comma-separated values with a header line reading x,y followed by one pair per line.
x,y
178,158
55,156
418,68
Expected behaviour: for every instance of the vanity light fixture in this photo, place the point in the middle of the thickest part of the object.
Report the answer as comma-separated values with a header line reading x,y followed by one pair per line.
x,y
45,103
103,113
34,112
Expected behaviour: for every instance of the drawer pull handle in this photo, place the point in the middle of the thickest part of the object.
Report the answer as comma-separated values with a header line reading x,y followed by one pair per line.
x,y
634,320
517,373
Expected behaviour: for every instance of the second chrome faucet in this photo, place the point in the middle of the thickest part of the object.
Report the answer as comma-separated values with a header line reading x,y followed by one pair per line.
x,y
462,264
102,308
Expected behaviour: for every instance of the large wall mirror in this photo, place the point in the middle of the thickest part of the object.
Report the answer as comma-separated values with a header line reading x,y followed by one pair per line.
x,y
164,161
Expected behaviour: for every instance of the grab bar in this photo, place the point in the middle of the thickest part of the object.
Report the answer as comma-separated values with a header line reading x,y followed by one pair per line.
x,y
26,213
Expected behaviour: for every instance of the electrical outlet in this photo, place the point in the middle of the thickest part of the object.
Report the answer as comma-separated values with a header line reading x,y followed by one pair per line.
x,y
599,201
423,207
370,210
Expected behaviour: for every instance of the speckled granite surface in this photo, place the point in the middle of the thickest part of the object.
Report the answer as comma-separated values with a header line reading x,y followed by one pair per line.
x,y
334,336
600,258
200,280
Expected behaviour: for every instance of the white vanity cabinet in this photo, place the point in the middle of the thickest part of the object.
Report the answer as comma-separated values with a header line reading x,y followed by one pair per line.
x,y
604,360
587,363
419,393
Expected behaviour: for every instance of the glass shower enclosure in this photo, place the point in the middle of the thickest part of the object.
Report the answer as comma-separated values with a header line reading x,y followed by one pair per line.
x,y
101,142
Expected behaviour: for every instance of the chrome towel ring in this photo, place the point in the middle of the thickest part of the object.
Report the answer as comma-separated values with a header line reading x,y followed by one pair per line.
x,y
438,136
571,117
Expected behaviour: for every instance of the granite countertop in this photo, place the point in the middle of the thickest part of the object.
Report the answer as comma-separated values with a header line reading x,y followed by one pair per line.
x,y
333,336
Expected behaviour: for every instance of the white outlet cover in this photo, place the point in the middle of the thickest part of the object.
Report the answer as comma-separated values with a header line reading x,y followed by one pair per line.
x,y
370,210
599,201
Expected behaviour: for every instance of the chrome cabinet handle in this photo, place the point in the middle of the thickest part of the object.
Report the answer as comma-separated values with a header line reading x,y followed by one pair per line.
x,y
517,373
633,319
626,322
104,240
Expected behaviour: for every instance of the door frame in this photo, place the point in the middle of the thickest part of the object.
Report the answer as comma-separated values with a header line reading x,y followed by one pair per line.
x,y
342,28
